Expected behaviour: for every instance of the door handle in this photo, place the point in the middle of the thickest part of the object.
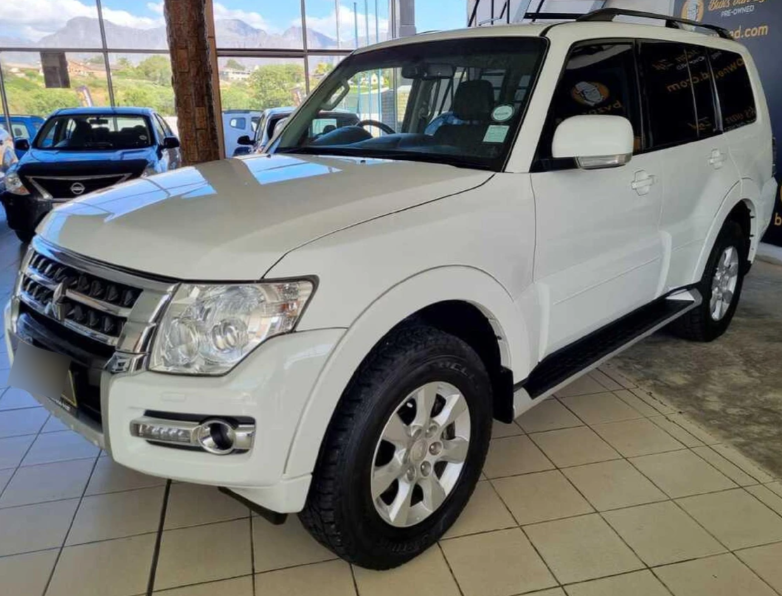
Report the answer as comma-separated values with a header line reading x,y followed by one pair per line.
x,y
643,182
717,159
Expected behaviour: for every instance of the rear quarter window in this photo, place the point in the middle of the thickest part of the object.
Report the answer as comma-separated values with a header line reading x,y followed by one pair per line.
x,y
737,101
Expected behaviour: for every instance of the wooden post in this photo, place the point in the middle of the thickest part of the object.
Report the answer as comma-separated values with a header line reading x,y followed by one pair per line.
x,y
191,65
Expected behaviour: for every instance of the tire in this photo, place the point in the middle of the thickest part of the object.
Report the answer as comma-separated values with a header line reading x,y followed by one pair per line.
x,y
700,324
25,236
340,511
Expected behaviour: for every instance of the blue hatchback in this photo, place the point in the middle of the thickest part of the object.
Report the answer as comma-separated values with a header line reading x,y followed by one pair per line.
x,y
81,150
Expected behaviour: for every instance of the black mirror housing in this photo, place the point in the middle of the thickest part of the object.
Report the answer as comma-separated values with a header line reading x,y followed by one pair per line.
x,y
22,145
244,140
171,143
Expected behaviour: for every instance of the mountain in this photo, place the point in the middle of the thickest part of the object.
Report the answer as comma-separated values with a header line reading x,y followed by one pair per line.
x,y
84,32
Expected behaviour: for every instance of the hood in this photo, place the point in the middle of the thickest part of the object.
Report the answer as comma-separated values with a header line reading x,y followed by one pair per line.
x,y
234,219
58,162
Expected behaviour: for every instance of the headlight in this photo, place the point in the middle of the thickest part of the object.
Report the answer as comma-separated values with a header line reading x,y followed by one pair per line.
x,y
209,329
14,184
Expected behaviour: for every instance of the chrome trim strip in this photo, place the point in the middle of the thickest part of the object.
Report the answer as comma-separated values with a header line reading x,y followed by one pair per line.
x,y
99,177
40,279
117,311
135,337
696,298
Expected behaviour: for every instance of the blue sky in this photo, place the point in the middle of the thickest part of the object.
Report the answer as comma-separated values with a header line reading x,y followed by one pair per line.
x,y
33,19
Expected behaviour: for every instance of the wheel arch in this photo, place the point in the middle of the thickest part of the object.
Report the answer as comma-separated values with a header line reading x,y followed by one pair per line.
x,y
740,206
428,297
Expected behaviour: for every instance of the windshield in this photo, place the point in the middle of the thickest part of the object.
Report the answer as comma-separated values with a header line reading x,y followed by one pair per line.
x,y
94,132
454,101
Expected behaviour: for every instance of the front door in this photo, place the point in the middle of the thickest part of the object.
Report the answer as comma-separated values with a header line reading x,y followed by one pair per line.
x,y
599,253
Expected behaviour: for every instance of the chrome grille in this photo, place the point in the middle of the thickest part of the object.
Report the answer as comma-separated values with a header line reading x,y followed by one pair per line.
x,y
88,304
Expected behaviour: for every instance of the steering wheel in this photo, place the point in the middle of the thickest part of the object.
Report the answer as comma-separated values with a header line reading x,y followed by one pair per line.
x,y
382,126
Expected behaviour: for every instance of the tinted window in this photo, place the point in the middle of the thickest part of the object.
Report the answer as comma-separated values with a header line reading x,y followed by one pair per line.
x,y
737,101
672,118
598,79
702,86
94,132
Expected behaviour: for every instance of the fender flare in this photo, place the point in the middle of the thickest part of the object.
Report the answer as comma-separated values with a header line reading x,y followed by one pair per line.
x,y
394,306
740,193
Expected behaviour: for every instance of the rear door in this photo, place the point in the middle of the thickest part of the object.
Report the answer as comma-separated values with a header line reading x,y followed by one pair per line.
x,y
685,130
598,253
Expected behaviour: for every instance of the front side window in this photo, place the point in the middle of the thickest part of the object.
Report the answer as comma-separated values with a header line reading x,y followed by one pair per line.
x,y
598,79
737,102
454,101
669,95
95,132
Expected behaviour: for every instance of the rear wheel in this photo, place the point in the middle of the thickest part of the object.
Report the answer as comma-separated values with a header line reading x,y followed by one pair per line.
x,y
404,449
720,287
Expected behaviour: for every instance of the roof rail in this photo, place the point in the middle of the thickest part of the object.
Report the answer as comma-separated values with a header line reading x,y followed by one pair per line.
x,y
609,14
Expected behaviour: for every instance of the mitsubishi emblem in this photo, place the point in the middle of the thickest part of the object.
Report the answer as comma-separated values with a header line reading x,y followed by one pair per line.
x,y
57,305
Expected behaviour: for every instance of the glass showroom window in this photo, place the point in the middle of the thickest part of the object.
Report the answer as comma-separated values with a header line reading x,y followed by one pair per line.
x,y
50,24
37,83
320,67
143,80
261,83
134,25
258,24
364,20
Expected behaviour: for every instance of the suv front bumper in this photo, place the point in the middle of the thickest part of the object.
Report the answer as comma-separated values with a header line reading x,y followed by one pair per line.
x,y
271,387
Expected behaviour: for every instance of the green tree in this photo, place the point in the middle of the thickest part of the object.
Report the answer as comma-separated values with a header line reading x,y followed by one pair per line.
x,y
237,97
156,69
234,64
140,97
273,86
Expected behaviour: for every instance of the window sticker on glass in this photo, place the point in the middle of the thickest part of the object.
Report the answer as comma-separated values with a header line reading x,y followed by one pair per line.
x,y
502,113
496,133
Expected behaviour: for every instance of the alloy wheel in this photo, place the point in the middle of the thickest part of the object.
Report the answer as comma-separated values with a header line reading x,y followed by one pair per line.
x,y
723,284
420,454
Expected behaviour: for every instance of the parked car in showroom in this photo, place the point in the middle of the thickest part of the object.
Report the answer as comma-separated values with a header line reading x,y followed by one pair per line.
x,y
331,328
274,117
78,151
7,155
238,124
23,127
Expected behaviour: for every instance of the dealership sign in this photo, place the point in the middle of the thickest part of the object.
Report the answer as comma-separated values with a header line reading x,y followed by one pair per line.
x,y
758,25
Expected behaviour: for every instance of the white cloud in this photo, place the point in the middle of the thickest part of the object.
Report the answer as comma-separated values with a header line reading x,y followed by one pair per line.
x,y
37,18
254,19
347,25
156,7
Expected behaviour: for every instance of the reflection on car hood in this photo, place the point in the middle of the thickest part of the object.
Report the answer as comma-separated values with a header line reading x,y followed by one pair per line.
x,y
234,219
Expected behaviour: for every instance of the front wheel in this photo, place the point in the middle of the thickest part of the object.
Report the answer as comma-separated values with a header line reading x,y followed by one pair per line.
x,y
403,451
720,287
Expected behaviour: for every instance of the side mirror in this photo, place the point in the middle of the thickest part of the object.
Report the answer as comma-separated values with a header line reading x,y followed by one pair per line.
x,y
171,143
242,151
595,142
22,145
244,140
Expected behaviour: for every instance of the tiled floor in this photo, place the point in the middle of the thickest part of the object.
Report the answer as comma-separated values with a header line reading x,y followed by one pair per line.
x,y
601,491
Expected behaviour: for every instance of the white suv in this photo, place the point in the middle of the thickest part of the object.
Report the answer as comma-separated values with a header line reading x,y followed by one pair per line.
x,y
331,328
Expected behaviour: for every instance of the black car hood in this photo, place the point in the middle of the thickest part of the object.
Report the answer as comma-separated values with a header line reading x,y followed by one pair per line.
x,y
77,163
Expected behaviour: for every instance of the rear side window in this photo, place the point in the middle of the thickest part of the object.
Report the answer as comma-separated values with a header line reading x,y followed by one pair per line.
x,y
598,79
703,88
737,102
672,117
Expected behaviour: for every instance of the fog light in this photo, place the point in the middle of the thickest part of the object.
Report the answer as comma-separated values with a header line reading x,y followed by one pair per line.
x,y
215,435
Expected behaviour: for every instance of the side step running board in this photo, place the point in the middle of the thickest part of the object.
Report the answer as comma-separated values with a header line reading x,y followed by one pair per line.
x,y
566,365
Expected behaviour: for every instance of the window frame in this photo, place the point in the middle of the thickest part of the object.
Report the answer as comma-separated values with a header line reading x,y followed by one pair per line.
x,y
547,164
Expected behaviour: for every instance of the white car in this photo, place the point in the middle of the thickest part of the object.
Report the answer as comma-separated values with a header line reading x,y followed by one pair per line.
x,y
330,329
